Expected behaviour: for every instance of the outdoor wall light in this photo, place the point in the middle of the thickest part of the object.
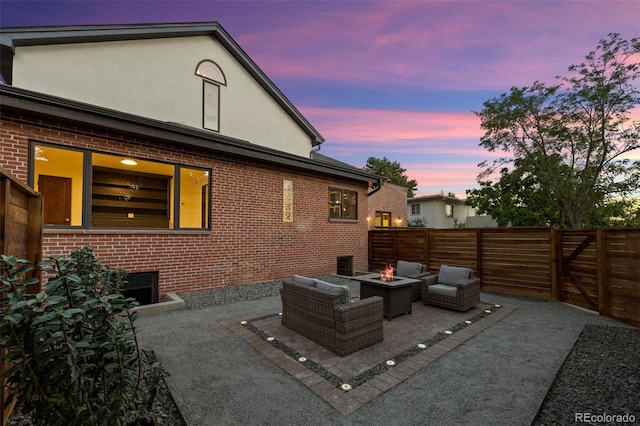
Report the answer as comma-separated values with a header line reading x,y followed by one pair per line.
x,y
129,162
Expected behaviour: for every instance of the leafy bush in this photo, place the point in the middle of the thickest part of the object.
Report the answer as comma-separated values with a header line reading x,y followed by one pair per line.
x,y
417,222
72,348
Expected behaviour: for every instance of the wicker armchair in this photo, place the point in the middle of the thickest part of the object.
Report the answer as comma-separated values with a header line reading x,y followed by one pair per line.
x,y
415,270
453,288
321,313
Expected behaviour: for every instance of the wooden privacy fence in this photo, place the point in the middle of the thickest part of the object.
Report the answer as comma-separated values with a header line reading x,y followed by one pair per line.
x,y
593,269
20,236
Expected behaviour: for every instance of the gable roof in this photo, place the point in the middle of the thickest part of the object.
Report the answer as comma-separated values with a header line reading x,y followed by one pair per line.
x,y
39,106
10,38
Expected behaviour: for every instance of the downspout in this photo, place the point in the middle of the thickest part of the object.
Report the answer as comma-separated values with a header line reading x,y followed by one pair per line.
x,y
316,148
376,188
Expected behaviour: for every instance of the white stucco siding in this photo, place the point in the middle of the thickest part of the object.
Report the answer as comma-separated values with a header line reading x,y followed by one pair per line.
x,y
156,79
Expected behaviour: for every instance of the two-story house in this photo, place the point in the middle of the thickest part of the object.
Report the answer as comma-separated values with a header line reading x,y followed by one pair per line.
x,y
168,150
439,211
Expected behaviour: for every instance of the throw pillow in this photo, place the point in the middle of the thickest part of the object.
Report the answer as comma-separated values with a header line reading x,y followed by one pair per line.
x,y
452,274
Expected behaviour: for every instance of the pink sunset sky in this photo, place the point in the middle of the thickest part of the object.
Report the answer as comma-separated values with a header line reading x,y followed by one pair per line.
x,y
395,79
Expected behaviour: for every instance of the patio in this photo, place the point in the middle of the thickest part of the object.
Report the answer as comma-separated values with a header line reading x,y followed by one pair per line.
x,y
499,373
411,342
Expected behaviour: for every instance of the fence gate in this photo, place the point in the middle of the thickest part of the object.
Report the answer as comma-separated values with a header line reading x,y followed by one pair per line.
x,y
578,268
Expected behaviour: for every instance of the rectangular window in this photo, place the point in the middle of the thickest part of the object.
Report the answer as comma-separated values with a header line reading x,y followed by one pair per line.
x,y
194,198
122,192
448,210
58,176
383,219
343,204
415,208
211,106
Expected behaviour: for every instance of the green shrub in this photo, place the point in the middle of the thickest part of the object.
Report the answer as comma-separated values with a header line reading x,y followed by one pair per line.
x,y
72,348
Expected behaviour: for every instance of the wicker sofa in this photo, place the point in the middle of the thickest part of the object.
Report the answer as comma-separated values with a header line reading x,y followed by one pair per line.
x,y
453,287
324,313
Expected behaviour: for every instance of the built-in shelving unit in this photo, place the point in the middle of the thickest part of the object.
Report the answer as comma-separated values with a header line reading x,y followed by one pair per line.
x,y
126,199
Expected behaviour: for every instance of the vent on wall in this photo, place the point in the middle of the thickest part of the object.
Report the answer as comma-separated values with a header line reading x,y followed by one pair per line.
x,y
345,265
142,286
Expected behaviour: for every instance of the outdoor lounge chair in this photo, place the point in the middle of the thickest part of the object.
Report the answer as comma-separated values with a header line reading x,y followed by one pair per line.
x,y
415,270
452,288
323,312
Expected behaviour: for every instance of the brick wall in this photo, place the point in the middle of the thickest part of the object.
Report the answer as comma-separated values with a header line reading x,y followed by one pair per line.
x,y
248,242
389,198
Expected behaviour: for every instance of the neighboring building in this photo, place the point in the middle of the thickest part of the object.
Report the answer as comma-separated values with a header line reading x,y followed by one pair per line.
x,y
166,149
439,211
388,207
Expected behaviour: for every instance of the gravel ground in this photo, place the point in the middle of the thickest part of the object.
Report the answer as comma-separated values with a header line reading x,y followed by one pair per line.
x,y
241,293
600,379
600,376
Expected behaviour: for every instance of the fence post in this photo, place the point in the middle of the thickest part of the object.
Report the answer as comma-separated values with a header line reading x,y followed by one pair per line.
x,y
556,262
479,252
395,246
602,268
426,248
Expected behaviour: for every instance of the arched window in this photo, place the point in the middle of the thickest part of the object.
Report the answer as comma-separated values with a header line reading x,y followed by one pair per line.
x,y
211,71
213,77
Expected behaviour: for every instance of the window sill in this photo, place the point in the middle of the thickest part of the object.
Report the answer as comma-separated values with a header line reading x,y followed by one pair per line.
x,y
121,231
343,220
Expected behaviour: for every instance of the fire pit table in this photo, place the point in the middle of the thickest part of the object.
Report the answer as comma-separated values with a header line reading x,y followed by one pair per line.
x,y
397,294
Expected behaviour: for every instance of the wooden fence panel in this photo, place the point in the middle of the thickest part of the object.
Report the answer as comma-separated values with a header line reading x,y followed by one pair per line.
x,y
412,246
621,274
456,247
594,269
382,249
579,268
20,236
517,261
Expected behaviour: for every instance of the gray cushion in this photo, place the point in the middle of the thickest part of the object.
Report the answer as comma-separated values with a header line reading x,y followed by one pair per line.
x,y
299,279
452,274
443,290
341,290
407,269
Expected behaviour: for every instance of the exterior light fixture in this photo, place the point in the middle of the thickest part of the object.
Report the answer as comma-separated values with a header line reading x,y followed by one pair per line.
x,y
129,162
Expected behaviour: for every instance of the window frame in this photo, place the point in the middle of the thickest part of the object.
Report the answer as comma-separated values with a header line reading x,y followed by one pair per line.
x,y
207,87
212,78
341,206
381,215
448,210
87,188
415,208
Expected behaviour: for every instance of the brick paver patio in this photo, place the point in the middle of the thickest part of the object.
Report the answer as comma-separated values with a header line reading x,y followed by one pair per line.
x,y
347,383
